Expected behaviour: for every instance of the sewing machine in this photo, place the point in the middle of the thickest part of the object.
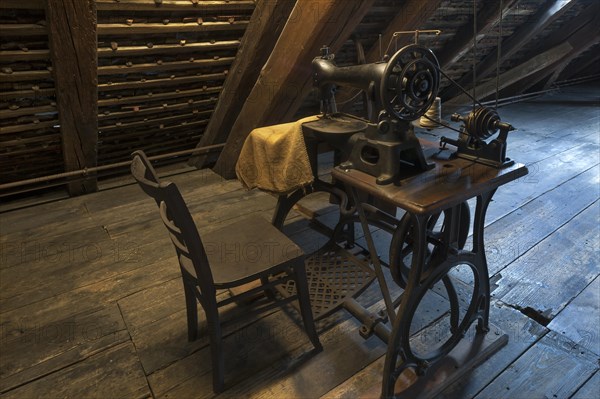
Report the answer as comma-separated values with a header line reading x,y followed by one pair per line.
x,y
402,89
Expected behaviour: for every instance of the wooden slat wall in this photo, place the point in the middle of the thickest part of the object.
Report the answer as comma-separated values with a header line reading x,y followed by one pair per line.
x,y
30,142
160,71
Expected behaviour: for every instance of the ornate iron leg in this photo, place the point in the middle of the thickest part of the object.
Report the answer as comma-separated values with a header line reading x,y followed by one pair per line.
x,y
483,306
427,270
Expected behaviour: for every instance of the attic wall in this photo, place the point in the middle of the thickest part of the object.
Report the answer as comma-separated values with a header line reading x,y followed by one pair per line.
x,y
161,67
162,64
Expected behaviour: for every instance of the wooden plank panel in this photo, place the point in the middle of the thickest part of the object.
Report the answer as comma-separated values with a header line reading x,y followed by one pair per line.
x,y
567,260
33,347
590,389
115,373
510,237
539,181
580,319
557,366
74,65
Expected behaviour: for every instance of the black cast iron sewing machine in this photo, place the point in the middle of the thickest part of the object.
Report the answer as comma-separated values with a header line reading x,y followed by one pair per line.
x,y
383,159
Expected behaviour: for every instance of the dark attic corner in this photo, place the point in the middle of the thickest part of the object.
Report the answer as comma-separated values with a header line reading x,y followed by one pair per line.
x,y
348,199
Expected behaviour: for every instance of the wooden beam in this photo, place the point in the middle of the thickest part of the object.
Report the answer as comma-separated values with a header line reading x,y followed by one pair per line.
x,y
413,15
462,42
548,13
176,5
286,77
172,27
581,32
517,73
264,28
582,67
73,44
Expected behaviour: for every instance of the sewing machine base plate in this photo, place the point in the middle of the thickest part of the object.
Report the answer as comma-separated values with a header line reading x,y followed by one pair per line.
x,y
470,352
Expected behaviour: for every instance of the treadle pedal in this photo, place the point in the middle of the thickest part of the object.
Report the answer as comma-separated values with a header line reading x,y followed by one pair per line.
x,y
333,274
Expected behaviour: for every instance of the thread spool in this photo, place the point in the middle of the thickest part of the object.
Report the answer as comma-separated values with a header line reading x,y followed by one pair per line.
x,y
433,115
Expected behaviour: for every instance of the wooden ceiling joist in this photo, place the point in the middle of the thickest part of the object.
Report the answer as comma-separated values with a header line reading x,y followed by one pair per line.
x,y
264,28
581,32
286,77
549,12
74,70
516,74
462,42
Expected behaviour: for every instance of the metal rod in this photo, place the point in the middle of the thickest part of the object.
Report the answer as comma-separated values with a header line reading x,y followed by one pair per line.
x,y
498,55
373,256
474,51
87,171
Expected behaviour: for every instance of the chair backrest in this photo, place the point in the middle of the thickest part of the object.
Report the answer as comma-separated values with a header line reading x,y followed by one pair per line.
x,y
177,219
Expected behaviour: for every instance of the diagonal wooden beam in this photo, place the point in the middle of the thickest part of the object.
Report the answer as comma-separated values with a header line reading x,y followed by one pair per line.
x,y
462,42
73,45
286,77
265,26
548,13
520,72
581,32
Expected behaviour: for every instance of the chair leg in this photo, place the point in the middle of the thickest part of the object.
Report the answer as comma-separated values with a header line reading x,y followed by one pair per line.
x,y
304,302
216,347
191,306
268,291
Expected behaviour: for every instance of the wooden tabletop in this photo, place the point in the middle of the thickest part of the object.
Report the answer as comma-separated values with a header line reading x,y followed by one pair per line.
x,y
449,183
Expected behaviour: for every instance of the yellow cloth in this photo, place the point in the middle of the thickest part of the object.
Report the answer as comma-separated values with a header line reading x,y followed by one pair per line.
x,y
274,158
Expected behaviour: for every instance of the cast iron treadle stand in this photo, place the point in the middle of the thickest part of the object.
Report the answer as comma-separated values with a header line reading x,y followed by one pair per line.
x,y
444,189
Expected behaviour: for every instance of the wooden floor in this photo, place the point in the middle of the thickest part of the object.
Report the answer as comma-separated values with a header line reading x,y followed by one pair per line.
x,y
91,303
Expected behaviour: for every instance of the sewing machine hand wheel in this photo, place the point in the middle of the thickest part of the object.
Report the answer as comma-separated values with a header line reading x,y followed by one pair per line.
x,y
410,82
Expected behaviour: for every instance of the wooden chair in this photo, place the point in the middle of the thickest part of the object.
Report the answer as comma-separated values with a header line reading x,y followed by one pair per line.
x,y
248,250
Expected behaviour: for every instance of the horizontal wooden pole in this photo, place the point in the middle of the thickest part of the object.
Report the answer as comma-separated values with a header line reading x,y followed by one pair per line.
x,y
175,5
13,113
23,4
21,55
9,95
154,110
22,30
162,82
155,121
108,52
26,128
165,66
45,139
157,96
174,27
24,76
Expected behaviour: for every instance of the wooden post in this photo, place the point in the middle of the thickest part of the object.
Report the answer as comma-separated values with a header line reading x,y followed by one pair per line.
x,y
286,77
265,26
73,48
